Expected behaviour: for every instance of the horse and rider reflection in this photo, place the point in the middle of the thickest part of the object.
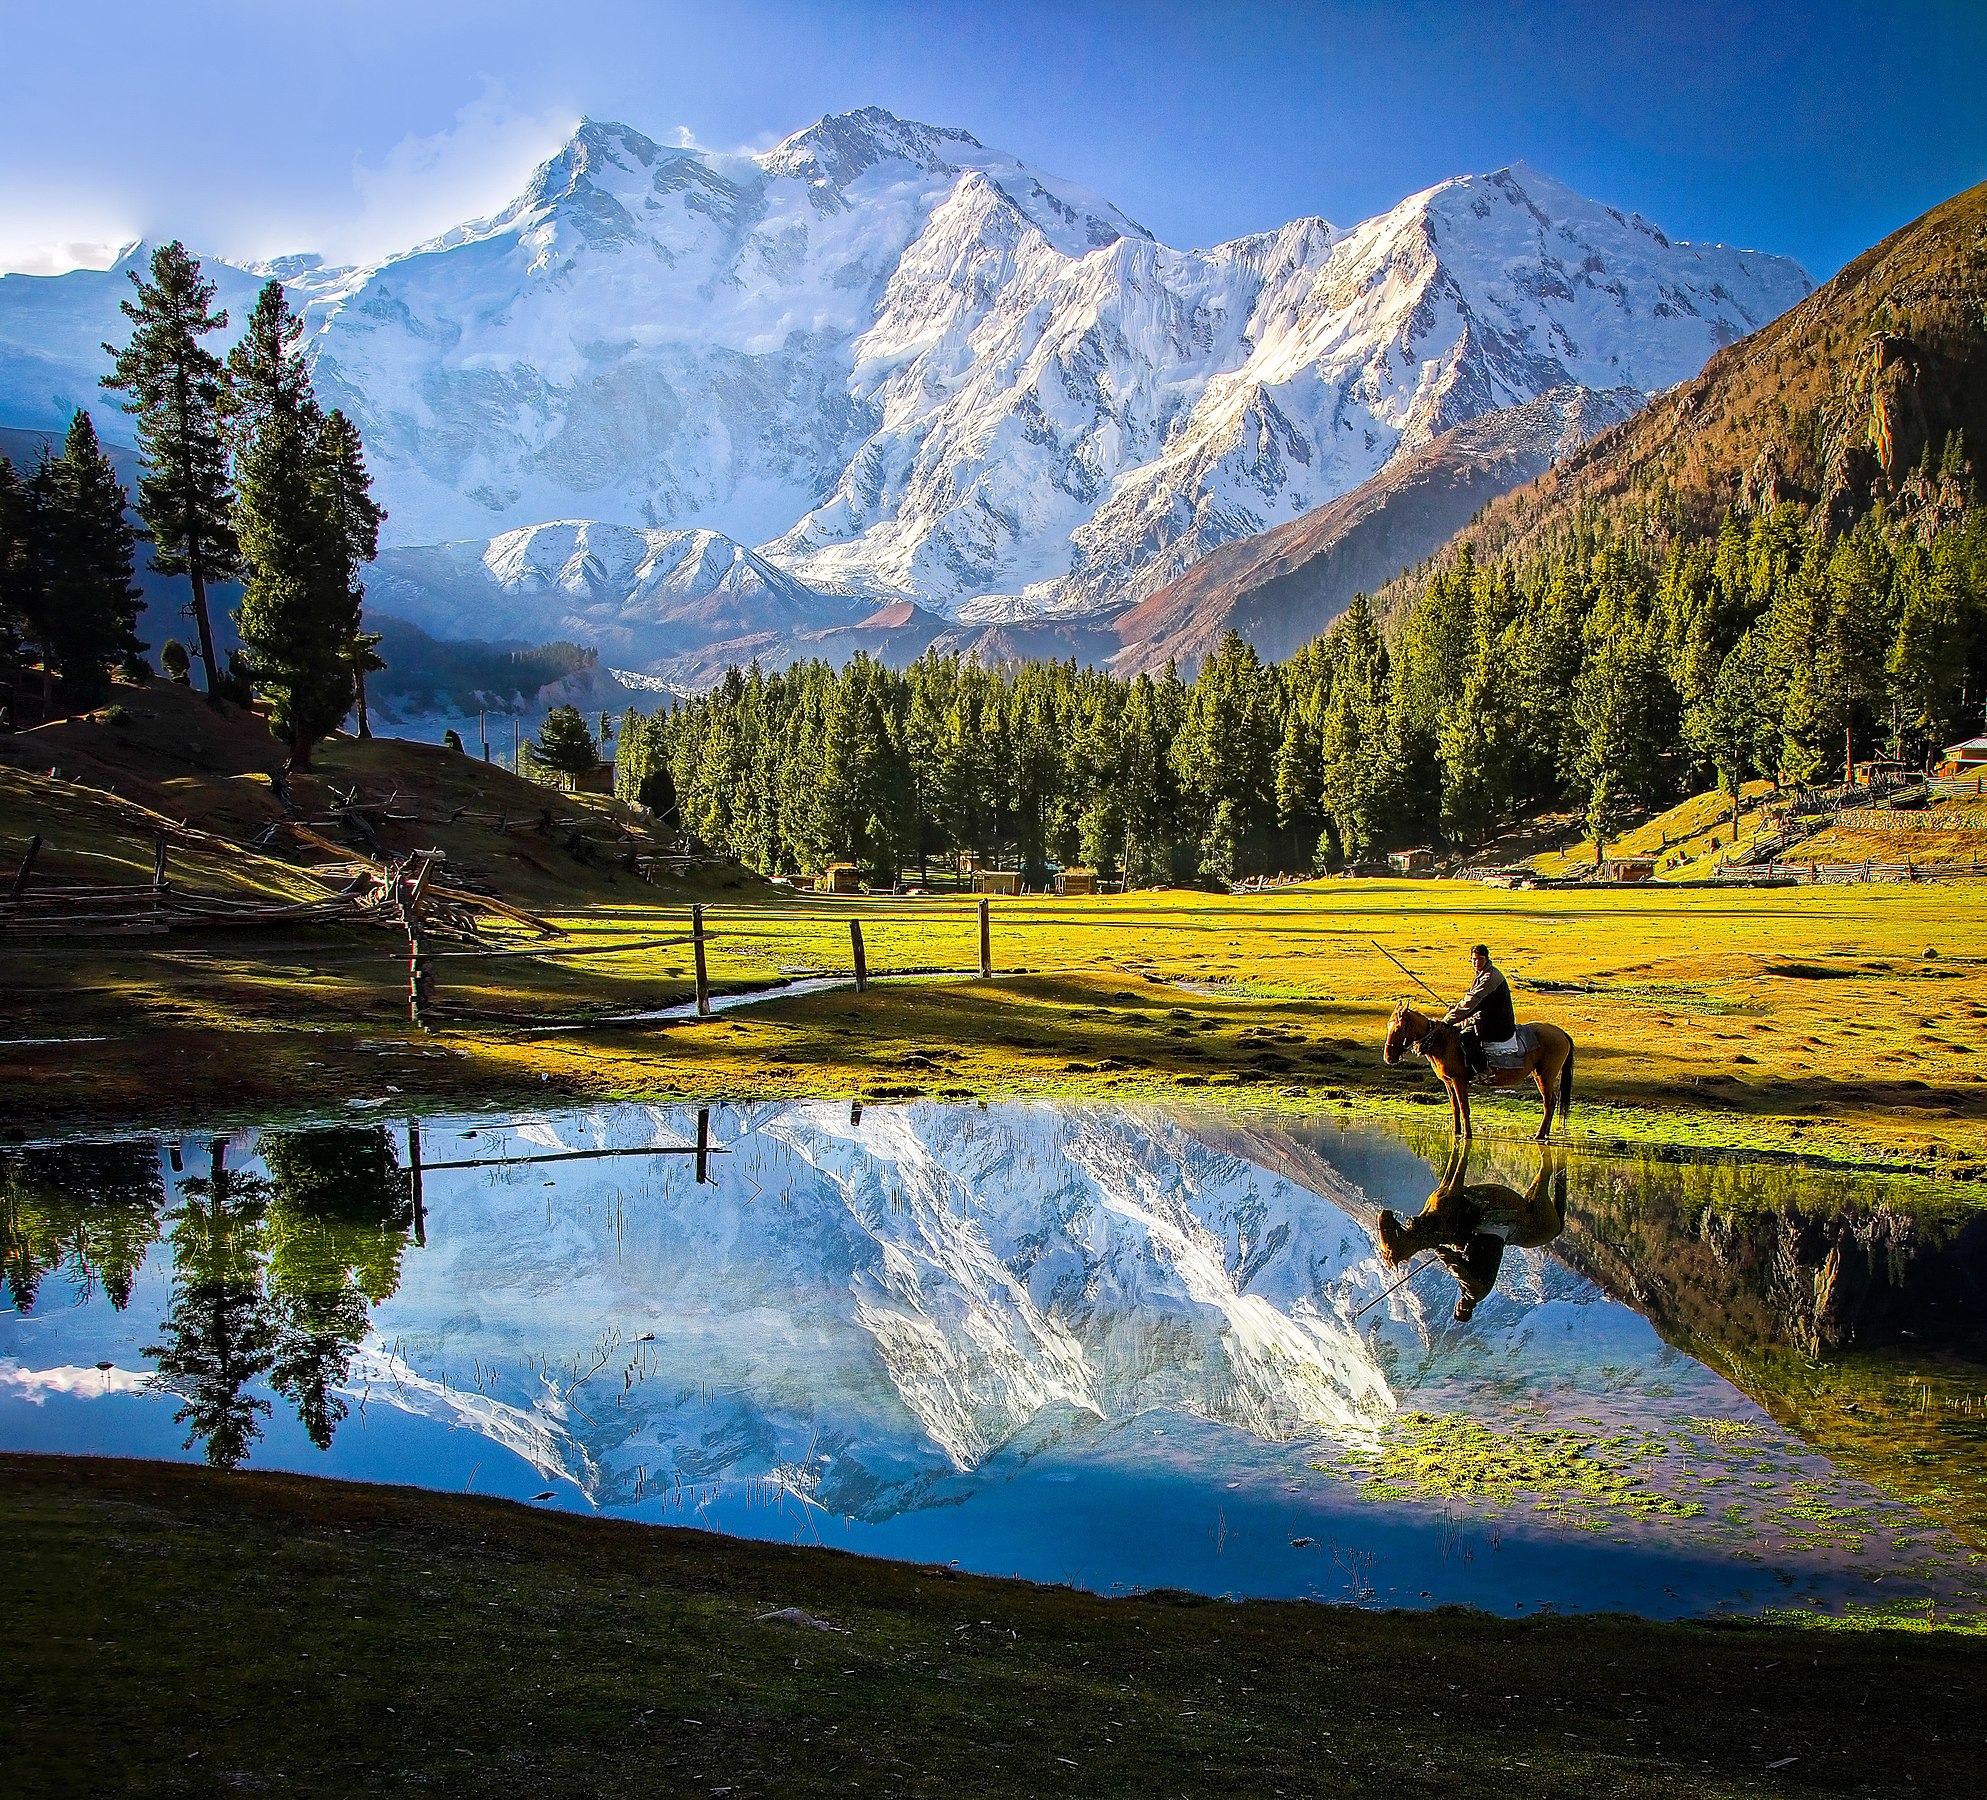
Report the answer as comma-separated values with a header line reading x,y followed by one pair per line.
x,y
1469,1225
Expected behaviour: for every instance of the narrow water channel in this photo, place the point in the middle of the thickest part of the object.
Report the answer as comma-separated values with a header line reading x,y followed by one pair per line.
x,y
1118,1348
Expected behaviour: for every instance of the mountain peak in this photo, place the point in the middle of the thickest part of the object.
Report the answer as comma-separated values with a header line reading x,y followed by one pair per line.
x,y
843,146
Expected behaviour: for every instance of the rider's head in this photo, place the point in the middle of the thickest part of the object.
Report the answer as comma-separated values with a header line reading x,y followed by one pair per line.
x,y
1480,957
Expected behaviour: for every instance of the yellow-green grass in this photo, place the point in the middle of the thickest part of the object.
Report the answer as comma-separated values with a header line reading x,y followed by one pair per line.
x,y
1807,1019
178,1631
1924,849
1688,839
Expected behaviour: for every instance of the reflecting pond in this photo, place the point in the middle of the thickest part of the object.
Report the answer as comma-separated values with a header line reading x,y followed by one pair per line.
x,y
1119,1348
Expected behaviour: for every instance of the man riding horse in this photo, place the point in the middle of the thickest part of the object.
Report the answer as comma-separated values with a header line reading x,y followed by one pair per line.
x,y
1477,1039
1484,1016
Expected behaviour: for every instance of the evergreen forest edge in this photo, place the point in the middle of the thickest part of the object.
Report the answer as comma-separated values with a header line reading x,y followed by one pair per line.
x,y
1599,674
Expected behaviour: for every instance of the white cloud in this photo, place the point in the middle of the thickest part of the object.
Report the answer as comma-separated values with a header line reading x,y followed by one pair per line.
x,y
35,1385
26,253
425,185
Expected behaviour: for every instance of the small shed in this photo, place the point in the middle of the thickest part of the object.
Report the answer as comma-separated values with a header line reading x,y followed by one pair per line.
x,y
1411,862
1077,881
839,878
1964,759
597,780
996,881
1632,868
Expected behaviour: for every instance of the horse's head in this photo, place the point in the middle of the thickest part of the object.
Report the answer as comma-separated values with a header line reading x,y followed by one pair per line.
x,y
1405,1029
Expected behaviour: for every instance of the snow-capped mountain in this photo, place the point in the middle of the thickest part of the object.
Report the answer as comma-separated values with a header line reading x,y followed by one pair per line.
x,y
640,596
907,366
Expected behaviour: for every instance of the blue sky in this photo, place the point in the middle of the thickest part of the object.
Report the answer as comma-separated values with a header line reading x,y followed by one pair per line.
x,y
251,127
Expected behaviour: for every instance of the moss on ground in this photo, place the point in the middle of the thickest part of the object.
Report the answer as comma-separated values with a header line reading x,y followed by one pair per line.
x,y
178,1631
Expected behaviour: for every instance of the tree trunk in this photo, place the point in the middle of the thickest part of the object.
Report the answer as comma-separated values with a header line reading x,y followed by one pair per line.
x,y
200,619
359,681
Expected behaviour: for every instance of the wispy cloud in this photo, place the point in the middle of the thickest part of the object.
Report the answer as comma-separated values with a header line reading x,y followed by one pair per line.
x,y
27,254
425,184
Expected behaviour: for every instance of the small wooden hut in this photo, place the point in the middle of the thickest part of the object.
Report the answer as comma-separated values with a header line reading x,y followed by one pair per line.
x,y
996,881
839,878
1076,881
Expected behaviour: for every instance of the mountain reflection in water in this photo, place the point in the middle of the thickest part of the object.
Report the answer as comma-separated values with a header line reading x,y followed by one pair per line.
x,y
1079,1343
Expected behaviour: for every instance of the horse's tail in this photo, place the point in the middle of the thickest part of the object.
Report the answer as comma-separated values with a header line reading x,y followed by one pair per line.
x,y
1566,1081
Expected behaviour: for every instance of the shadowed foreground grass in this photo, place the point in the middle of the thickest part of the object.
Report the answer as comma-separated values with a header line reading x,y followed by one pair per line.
x,y
177,1631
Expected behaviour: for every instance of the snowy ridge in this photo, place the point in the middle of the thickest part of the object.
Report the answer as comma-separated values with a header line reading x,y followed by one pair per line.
x,y
906,366
640,596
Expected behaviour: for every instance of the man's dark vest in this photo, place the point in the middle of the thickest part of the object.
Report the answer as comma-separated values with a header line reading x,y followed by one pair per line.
x,y
1495,1021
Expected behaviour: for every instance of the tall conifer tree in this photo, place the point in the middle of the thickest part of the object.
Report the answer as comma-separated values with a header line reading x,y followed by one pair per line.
x,y
174,386
89,609
348,497
297,617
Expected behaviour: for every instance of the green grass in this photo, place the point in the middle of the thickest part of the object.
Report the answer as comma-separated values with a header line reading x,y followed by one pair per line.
x,y
176,1631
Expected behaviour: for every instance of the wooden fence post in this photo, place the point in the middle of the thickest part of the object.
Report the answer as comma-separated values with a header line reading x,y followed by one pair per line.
x,y
159,861
703,976
986,943
414,1179
20,886
703,1145
855,944
420,971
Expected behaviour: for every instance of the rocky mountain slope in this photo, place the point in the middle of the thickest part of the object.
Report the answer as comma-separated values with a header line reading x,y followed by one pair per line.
x,y
909,367
1282,587
1831,406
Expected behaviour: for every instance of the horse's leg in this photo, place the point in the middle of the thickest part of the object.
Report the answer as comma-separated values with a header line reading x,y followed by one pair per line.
x,y
1545,1094
1463,1099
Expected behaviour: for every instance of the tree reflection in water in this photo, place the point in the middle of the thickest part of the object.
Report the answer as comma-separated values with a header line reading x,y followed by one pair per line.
x,y
220,1331
276,1275
339,1217
88,1211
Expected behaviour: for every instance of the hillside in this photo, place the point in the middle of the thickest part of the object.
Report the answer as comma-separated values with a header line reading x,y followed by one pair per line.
x,y
176,757
1831,406
1282,587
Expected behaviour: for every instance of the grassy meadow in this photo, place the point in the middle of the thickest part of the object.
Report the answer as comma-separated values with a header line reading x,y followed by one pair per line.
x,y
1837,1021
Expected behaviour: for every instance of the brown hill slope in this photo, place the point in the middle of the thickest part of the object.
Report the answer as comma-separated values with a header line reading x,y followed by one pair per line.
x,y
166,750
1831,406
1282,587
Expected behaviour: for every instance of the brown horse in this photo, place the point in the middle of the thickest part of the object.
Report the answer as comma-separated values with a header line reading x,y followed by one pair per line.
x,y
1548,1062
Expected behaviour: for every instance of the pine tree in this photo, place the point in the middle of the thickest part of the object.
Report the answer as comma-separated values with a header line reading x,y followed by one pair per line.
x,y
565,744
174,386
297,617
15,516
89,609
1735,723
349,499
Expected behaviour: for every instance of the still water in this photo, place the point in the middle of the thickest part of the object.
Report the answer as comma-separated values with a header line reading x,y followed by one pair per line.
x,y
1117,1348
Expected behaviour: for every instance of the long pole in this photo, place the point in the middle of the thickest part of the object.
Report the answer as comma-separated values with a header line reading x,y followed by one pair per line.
x,y
703,976
1409,973
986,943
1384,1292
862,965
